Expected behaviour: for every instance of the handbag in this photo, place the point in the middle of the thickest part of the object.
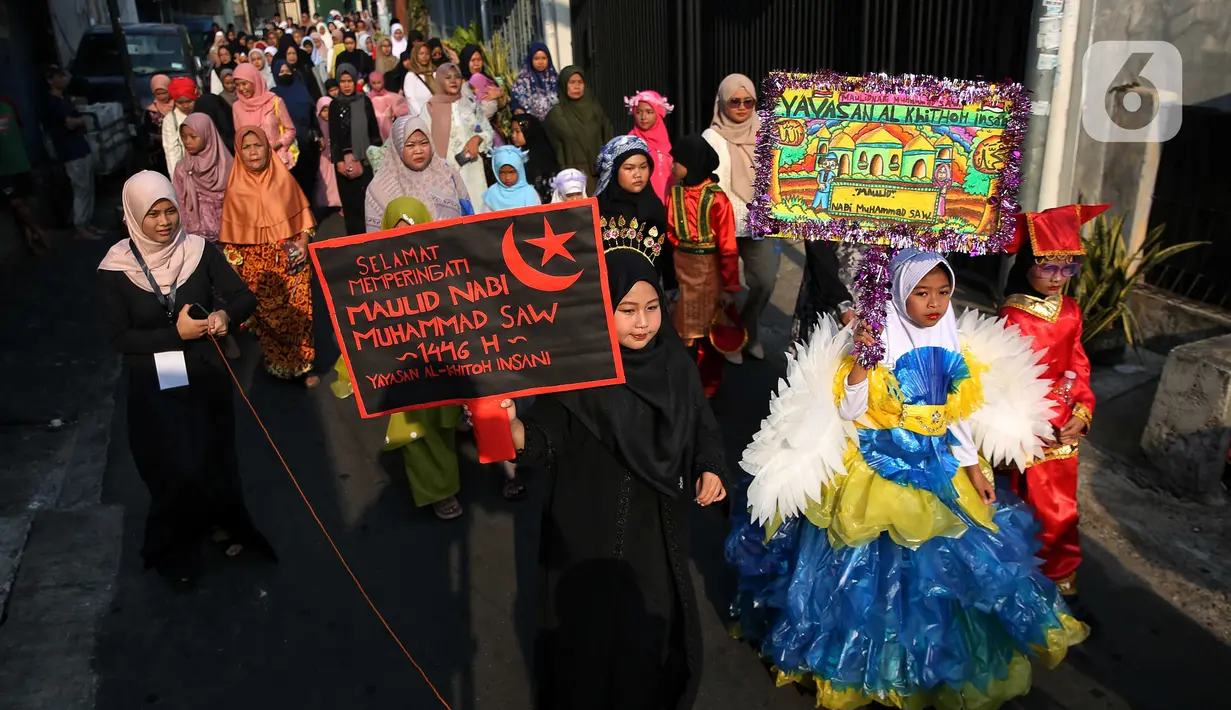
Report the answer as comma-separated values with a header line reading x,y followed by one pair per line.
x,y
727,333
293,149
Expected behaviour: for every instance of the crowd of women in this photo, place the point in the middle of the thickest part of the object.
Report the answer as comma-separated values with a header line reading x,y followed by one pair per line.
x,y
394,130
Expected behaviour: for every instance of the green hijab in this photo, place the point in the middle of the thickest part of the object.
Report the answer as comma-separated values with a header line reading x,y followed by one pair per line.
x,y
401,208
405,208
578,127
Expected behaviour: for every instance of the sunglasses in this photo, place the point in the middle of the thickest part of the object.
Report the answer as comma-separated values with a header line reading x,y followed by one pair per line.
x,y
748,102
1051,271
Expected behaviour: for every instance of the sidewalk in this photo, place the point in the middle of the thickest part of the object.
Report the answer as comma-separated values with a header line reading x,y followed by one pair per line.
x,y
59,547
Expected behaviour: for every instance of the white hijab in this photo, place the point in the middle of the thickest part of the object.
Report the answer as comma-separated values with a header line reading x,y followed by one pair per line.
x,y
570,181
901,333
399,45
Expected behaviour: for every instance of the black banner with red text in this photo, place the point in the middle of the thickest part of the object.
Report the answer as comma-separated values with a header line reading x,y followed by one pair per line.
x,y
504,304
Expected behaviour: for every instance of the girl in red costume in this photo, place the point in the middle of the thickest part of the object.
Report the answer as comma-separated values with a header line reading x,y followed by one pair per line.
x,y
1048,245
701,228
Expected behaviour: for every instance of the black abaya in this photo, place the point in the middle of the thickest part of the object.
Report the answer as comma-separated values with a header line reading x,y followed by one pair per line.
x,y
618,619
182,439
352,192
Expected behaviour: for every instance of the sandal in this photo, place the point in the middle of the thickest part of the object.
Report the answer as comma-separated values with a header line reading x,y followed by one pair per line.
x,y
447,509
513,489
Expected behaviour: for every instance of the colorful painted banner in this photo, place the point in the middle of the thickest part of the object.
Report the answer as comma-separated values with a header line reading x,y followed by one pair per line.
x,y
895,161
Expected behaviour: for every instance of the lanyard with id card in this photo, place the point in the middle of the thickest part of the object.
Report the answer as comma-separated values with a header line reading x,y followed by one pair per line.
x,y
171,367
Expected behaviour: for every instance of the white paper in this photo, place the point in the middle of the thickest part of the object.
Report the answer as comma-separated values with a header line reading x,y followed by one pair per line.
x,y
172,369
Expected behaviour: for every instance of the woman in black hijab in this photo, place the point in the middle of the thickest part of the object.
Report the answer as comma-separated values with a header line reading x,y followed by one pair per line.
x,y
438,52
619,626
352,130
356,57
300,62
541,166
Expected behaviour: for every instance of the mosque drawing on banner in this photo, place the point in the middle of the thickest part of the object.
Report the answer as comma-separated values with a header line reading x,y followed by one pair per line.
x,y
864,157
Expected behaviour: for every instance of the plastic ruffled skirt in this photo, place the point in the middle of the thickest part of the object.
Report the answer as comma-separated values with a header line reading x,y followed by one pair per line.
x,y
951,624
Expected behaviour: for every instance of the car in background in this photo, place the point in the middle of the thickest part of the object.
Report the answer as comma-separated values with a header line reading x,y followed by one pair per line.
x,y
154,49
199,27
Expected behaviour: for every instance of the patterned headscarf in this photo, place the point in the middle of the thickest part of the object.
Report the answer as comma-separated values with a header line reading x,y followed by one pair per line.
x,y
438,185
610,155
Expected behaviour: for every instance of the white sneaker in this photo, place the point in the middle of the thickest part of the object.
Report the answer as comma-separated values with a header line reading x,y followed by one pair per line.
x,y
735,358
755,351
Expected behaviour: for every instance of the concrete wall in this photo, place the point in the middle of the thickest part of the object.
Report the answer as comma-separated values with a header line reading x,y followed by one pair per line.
x,y
1113,172
1189,432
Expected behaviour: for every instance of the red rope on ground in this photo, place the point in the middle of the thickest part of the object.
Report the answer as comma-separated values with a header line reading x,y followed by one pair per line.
x,y
325,531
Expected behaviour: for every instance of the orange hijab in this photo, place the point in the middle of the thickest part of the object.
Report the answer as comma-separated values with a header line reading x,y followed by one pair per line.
x,y
263,207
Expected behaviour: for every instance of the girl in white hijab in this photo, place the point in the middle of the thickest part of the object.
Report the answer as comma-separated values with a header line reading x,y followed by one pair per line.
x,y
400,40
260,61
569,185
917,579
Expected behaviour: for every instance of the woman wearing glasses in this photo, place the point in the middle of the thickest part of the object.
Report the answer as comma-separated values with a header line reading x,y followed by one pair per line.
x,y
1048,245
733,134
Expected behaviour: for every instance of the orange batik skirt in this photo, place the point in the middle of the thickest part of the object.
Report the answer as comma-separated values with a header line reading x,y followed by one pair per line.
x,y
283,319
700,294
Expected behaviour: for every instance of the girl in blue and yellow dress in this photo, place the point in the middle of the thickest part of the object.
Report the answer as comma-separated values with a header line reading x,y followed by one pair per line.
x,y
875,564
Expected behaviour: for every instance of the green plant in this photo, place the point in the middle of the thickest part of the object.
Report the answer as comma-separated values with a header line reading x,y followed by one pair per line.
x,y
497,65
1110,273
419,18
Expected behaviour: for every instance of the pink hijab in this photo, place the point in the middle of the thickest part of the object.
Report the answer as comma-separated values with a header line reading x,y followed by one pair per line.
x,y
252,112
207,171
160,81
656,137
170,263
387,105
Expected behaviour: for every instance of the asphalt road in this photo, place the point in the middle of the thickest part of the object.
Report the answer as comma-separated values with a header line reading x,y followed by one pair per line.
x,y
459,594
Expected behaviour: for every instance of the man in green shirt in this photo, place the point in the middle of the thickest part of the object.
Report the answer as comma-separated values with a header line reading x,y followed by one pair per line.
x,y
16,183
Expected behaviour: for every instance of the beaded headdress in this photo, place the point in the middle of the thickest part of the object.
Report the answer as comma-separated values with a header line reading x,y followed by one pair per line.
x,y
620,233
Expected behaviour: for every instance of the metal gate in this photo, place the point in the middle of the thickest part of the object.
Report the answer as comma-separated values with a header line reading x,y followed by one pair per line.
x,y
518,25
684,48
1190,198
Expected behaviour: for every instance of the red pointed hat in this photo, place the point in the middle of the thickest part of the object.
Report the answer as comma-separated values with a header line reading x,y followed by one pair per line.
x,y
1054,232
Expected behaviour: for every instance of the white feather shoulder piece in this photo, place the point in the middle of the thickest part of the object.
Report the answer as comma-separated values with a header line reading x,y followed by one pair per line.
x,y
800,445
1016,412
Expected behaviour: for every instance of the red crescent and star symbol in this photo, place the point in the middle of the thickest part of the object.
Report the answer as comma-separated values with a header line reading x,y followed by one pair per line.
x,y
552,245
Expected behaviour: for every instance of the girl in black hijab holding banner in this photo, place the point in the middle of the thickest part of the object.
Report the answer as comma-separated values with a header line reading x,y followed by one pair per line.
x,y
618,625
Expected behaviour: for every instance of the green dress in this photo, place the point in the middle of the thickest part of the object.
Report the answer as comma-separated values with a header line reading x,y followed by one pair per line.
x,y
427,437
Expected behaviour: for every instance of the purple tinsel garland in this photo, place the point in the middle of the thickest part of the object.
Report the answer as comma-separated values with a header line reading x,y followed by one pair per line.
x,y
873,283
